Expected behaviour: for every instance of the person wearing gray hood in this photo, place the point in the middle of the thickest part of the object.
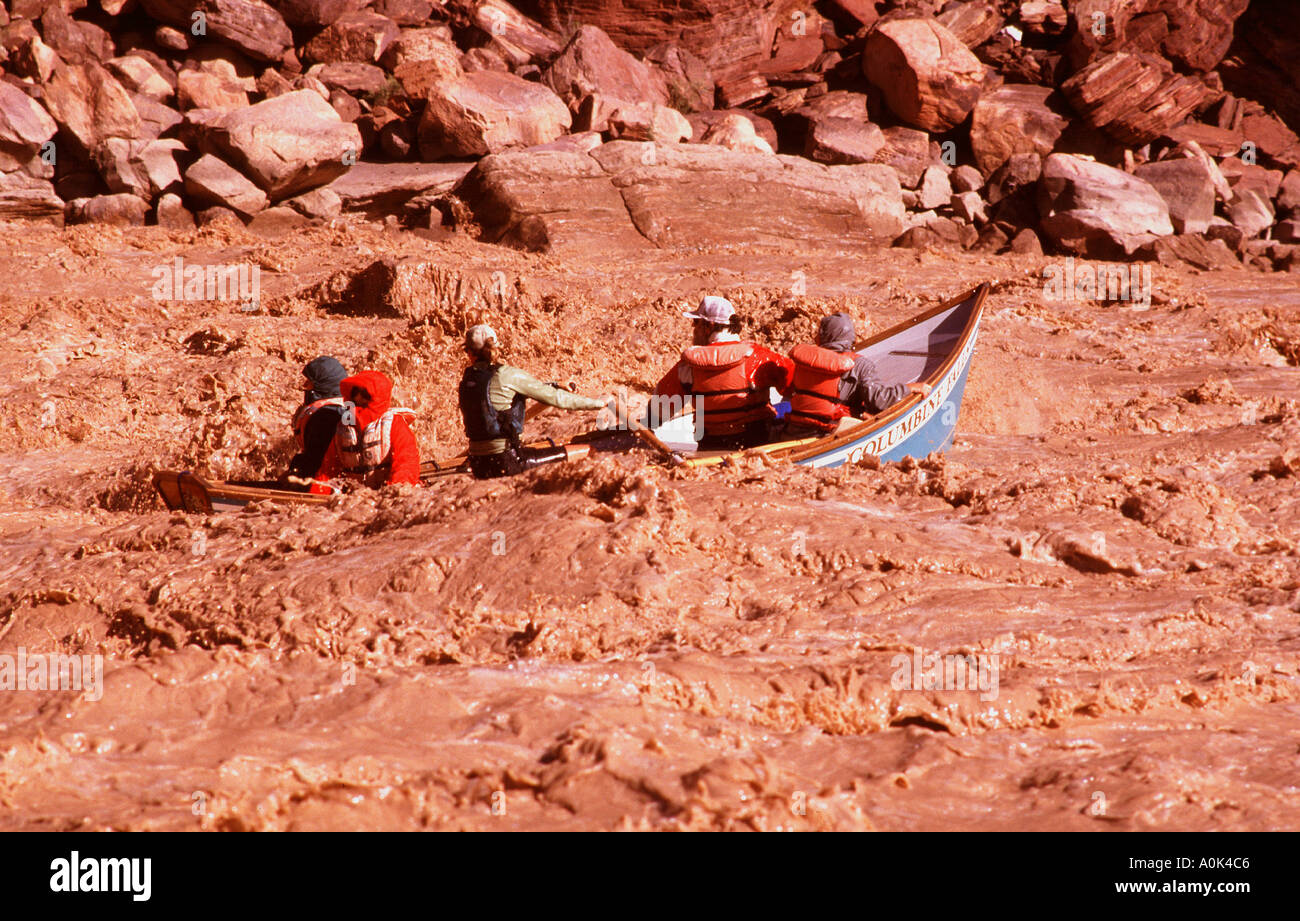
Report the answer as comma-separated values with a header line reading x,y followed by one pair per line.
x,y
831,382
313,429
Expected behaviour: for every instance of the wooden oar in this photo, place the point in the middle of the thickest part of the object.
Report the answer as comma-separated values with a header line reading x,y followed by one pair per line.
x,y
653,440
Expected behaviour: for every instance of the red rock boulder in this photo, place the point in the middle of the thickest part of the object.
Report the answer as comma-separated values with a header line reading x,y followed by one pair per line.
x,y
928,77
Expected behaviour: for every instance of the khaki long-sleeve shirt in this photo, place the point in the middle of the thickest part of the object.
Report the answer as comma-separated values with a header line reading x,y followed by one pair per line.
x,y
509,381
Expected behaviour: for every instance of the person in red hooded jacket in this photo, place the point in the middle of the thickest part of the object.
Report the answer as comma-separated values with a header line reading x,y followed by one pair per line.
x,y
729,377
373,443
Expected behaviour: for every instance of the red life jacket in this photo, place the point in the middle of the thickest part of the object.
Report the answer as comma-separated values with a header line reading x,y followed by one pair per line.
x,y
304,413
364,453
720,376
815,393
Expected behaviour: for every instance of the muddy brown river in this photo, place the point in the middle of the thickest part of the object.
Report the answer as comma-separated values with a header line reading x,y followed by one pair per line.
x,y
1109,550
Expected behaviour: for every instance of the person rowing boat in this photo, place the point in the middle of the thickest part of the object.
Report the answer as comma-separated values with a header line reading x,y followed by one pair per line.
x,y
730,377
493,396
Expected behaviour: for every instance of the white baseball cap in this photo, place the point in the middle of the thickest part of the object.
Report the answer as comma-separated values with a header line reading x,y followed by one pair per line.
x,y
477,337
714,309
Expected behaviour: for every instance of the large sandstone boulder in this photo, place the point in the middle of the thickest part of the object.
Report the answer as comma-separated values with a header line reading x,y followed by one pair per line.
x,y
362,36
843,140
935,189
212,181
633,195
516,37
976,21
1242,175
286,145
1187,186
197,89
1135,98
250,25
488,111
592,63
121,209
385,187
1250,210
735,132
33,58
1096,210
648,121
733,37
351,77
1288,196
1193,33
75,41
1013,119
907,152
24,127
929,78
142,168
690,85
91,106
24,197
424,44
702,123
314,14
544,200
170,212
419,58
155,118
139,75
835,104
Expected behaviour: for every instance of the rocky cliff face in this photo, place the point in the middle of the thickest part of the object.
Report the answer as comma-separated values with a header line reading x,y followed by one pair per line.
x,y
177,111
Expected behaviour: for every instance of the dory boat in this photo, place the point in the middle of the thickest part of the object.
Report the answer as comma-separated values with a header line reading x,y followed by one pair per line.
x,y
934,348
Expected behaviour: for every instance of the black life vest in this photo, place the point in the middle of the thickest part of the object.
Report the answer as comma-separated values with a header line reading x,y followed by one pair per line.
x,y
482,422
815,391
304,413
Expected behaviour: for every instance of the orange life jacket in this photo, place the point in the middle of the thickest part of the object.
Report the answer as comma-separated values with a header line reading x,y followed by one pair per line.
x,y
304,413
365,452
730,401
815,393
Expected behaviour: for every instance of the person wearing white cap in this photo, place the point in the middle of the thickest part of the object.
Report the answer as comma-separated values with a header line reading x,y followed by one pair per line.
x,y
492,400
729,376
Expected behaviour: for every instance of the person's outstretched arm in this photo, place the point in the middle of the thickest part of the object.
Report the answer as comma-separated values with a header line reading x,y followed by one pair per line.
x,y
513,380
775,371
869,393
